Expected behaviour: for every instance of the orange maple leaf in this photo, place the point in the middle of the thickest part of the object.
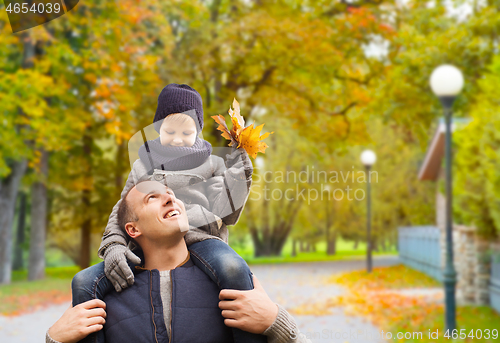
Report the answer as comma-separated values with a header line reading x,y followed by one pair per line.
x,y
223,127
251,140
248,138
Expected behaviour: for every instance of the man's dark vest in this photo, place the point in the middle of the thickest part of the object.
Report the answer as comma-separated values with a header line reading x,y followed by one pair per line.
x,y
136,314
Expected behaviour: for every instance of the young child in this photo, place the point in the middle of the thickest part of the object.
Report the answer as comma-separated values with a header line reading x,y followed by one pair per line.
x,y
213,192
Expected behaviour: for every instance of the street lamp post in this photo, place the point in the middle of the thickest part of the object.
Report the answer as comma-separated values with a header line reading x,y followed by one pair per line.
x,y
446,83
368,158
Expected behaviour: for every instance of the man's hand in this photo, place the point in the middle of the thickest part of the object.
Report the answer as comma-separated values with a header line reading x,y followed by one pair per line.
x,y
116,267
80,321
252,311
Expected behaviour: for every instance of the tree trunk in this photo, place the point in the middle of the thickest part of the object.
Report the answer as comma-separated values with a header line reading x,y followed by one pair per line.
x,y
394,240
374,244
267,249
331,239
271,239
383,246
294,248
271,246
214,18
356,242
270,242
331,245
85,235
301,246
8,194
120,167
18,262
9,186
36,265
86,194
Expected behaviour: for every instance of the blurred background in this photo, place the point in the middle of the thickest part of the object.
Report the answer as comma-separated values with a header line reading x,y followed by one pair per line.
x,y
331,79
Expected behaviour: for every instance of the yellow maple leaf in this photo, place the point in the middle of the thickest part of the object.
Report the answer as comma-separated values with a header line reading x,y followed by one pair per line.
x,y
236,114
251,140
248,138
222,127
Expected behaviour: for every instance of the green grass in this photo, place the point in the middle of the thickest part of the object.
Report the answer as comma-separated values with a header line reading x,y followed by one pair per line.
x,y
313,257
478,317
468,317
345,251
50,273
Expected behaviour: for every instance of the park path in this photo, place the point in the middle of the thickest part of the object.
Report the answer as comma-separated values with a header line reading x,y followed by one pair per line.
x,y
291,285
297,284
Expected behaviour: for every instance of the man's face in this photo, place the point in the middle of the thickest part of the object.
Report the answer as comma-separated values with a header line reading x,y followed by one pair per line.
x,y
160,214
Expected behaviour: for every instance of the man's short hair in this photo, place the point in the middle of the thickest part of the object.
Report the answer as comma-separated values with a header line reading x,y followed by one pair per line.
x,y
125,213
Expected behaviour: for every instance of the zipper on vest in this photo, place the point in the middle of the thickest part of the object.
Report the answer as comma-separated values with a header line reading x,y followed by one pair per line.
x,y
152,305
171,311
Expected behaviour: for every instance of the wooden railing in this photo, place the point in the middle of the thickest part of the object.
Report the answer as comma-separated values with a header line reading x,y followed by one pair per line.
x,y
419,248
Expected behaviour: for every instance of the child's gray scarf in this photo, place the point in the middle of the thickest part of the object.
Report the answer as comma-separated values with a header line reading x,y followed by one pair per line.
x,y
156,156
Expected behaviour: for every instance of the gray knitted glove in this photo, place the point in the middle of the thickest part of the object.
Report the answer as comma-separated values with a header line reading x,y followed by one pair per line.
x,y
238,160
116,267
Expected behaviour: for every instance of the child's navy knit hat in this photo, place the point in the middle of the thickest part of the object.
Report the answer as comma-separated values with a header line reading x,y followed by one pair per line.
x,y
176,98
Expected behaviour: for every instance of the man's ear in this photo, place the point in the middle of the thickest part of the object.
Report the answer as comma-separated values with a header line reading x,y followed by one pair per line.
x,y
132,230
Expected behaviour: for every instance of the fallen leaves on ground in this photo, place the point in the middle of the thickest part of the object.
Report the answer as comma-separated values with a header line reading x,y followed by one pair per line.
x,y
379,297
383,307
393,277
24,302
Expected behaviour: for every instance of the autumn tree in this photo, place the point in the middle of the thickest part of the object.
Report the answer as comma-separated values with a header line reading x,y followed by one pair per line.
x,y
23,101
477,164
428,36
113,81
86,93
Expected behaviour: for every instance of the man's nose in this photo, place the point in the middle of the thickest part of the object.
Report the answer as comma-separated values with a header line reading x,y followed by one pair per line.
x,y
168,197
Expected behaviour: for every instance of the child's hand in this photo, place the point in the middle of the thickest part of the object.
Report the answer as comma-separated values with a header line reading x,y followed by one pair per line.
x,y
116,267
235,156
238,160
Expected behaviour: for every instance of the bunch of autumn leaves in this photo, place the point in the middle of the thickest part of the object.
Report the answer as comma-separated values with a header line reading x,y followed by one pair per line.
x,y
248,138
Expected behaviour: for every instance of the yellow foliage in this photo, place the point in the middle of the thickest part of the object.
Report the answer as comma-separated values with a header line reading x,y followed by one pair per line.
x,y
251,140
248,138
